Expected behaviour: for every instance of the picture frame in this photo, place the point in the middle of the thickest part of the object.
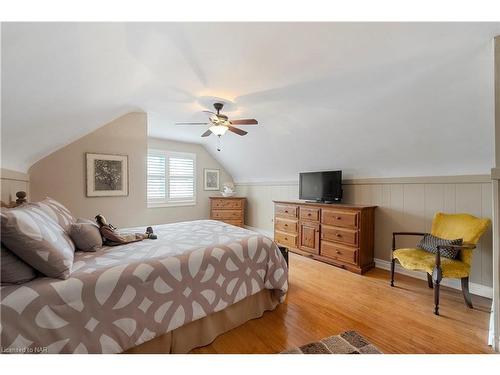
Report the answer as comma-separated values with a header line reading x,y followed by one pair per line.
x,y
107,175
211,179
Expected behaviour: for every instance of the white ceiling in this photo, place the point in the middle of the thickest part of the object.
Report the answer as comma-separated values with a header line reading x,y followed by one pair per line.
x,y
375,100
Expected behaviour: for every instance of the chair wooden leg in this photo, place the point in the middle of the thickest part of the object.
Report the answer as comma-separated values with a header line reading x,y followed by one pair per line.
x,y
429,280
437,276
465,291
393,265
436,298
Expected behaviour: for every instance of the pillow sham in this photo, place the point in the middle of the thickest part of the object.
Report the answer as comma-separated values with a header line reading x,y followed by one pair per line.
x,y
57,212
13,270
33,236
430,243
86,235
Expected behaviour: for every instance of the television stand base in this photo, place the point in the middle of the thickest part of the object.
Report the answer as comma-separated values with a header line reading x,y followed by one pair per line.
x,y
323,202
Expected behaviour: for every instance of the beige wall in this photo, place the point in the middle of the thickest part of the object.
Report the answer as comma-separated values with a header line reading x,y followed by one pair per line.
x,y
61,175
403,204
11,183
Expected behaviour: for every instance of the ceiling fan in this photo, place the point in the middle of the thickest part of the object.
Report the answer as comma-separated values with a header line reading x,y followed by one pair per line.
x,y
220,124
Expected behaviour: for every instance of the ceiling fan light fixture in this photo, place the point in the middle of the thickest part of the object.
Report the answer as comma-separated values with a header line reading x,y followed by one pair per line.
x,y
218,129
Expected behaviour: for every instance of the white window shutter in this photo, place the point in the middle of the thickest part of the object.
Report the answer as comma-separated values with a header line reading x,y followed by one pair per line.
x,y
171,178
181,178
156,177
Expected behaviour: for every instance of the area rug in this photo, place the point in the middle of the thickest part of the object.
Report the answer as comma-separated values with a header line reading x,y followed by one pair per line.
x,y
349,342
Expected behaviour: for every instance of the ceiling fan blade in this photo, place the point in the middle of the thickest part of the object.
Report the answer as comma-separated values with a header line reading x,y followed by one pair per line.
x,y
236,130
207,133
245,122
191,123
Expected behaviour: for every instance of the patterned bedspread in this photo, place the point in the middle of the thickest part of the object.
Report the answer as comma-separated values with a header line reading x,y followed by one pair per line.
x,y
120,297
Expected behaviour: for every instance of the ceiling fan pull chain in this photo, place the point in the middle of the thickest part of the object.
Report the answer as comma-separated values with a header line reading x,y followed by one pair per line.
x,y
219,143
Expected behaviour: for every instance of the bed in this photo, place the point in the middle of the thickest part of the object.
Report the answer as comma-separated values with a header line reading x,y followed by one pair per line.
x,y
196,281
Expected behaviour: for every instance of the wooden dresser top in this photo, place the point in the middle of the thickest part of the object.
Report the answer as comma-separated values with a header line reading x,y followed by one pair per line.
x,y
221,197
327,205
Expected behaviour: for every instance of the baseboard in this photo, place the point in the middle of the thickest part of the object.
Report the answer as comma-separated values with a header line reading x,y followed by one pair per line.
x,y
477,289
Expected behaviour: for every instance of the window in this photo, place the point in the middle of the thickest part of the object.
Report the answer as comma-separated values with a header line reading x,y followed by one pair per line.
x,y
171,178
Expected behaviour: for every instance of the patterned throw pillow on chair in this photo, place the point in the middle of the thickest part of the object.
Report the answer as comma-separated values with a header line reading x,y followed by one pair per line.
x,y
430,243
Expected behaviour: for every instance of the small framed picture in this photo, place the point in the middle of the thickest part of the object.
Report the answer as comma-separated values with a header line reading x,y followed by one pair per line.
x,y
107,175
211,179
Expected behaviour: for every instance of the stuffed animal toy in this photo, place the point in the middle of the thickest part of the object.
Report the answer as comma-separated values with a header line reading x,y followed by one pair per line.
x,y
112,238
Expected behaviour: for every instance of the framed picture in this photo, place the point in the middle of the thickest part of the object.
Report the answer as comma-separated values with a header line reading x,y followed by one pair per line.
x,y
211,179
107,175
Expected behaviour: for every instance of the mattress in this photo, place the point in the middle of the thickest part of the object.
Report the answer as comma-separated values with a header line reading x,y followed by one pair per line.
x,y
120,297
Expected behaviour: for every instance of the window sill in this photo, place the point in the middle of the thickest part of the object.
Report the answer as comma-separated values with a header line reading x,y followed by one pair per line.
x,y
170,204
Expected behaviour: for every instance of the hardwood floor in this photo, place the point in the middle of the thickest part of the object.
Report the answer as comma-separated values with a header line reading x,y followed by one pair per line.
x,y
396,320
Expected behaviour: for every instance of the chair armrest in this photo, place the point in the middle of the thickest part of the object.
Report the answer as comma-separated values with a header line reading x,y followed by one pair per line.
x,y
394,234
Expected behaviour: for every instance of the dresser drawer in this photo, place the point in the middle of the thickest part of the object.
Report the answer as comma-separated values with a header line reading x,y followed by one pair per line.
x,y
227,204
339,252
286,239
309,213
227,214
340,218
238,223
347,236
286,225
286,210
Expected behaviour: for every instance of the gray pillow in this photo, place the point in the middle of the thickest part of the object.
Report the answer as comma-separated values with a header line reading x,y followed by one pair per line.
x,y
33,236
57,212
13,270
82,220
86,236
430,243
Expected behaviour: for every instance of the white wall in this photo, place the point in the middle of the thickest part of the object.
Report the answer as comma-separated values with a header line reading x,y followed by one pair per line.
x,y
318,90
403,204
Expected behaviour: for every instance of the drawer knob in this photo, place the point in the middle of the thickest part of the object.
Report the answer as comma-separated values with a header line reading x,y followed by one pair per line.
x,y
338,252
338,235
286,225
286,238
338,218
309,214
286,211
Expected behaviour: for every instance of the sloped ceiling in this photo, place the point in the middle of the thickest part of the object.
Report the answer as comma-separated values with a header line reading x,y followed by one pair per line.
x,y
375,100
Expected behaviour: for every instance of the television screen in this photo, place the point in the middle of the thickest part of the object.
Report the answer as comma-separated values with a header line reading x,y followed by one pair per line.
x,y
321,186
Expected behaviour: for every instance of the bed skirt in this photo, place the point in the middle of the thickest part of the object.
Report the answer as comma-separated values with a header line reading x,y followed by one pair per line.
x,y
204,331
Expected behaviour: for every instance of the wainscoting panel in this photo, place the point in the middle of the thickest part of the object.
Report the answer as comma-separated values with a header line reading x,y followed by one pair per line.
x,y
406,204
11,183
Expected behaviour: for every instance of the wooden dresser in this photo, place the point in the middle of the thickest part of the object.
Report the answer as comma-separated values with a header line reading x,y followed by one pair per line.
x,y
338,234
230,210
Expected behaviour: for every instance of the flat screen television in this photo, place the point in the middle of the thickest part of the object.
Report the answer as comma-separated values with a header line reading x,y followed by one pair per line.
x,y
321,186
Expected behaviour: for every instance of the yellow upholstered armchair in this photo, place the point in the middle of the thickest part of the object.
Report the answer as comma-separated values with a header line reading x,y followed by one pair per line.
x,y
447,226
